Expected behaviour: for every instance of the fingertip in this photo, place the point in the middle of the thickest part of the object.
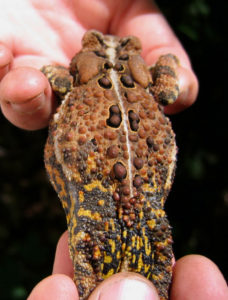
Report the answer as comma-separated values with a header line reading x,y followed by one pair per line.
x,y
6,58
26,98
197,277
63,263
188,82
23,83
123,286
189,87
146,21
54,287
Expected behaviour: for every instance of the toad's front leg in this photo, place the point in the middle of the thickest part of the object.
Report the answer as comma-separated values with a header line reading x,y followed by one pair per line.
x,y
59,78
165,87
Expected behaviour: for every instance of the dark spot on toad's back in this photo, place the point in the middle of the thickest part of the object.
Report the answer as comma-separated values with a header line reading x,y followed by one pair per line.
x,y
120,171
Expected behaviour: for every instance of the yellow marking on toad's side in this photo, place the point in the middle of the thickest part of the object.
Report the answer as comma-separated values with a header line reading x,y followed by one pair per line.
x,y
140,263
128,252
71,213
81,235
146,268
155,277
81,196
95,184
60,182
164,245
141,215
107,258
147,245
159,213
158,277
148,188
162,257
102,267
87,213
96,252
151,224
139,242
101,202
112,224
113,245
133,241
133,258
125,233
110,272
76,176
162,201
91,163
120,213
118,255
106,226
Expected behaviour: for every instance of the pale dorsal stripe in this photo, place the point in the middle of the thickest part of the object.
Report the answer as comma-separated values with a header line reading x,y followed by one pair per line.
x,y
111,53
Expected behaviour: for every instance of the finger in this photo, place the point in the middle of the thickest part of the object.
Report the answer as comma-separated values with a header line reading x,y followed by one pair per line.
x,y
118,286
26,98
55,287
63,263
196,277
6,58
144,20
188,84
124,286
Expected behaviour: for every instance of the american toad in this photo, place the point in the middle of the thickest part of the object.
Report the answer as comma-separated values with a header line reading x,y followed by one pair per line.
x,y
111,156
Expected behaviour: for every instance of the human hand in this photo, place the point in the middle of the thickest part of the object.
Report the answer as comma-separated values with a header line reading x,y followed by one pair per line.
x,y
33,34
36,33
194,278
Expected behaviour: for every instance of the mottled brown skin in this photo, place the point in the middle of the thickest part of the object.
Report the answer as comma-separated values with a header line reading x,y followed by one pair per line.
x,y
110,156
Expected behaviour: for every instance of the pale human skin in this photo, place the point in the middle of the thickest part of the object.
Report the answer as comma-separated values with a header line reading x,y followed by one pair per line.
x,y
35,33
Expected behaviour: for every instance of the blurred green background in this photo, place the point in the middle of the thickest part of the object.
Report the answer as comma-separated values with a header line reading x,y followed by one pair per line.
x,y
31,217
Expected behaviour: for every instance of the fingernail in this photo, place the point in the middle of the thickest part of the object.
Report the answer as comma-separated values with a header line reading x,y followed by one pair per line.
x,y
31,105
129,289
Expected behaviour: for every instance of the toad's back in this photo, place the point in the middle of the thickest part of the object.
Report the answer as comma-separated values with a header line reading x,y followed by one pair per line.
x,y
111,156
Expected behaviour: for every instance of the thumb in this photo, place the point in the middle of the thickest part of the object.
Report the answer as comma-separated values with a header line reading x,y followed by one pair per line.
x,y
124,286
